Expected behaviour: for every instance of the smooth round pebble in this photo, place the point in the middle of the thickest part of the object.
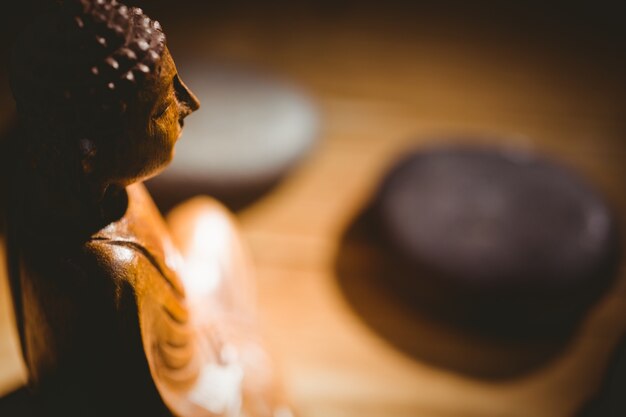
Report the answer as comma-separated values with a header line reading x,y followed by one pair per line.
x,y
503,241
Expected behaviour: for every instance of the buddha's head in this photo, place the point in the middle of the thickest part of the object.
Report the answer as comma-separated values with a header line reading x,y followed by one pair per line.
x,y
98,91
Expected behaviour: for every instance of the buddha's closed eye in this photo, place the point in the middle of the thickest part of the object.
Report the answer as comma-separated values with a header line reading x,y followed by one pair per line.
x,y
163,109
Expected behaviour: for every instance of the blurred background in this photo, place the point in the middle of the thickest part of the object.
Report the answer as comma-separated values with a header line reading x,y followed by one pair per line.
x,y
306,107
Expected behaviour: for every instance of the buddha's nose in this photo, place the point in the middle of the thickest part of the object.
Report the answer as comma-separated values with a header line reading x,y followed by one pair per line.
x,y
186,97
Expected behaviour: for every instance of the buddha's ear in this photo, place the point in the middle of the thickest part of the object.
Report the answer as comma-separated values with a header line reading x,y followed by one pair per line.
x,y
88,152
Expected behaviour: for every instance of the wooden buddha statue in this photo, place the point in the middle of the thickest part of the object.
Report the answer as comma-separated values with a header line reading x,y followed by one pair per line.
x,y
121,313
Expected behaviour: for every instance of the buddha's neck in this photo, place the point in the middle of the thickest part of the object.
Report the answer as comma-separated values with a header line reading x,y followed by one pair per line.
x,y
64,207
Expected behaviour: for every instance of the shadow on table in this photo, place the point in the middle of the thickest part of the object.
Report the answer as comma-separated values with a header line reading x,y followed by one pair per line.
x,y
611,399
361,271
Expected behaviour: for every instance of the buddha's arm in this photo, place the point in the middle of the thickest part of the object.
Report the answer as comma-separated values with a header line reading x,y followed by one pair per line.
x,y
82,343
182,336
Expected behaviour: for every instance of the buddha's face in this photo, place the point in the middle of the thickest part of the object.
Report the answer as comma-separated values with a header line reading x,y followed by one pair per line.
x,y
155,122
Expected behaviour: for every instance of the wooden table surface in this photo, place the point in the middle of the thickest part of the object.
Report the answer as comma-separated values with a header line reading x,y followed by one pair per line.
x,y
384,87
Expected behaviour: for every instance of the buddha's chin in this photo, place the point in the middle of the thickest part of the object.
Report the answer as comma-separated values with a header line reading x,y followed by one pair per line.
x,y
157,171
164,161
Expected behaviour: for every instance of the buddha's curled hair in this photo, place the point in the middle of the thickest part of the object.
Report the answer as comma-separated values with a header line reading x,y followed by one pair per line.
x,y
79,67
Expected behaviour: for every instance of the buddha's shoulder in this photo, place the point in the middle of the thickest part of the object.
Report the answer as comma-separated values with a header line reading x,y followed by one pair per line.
x,y
109,258
116,246
135,245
